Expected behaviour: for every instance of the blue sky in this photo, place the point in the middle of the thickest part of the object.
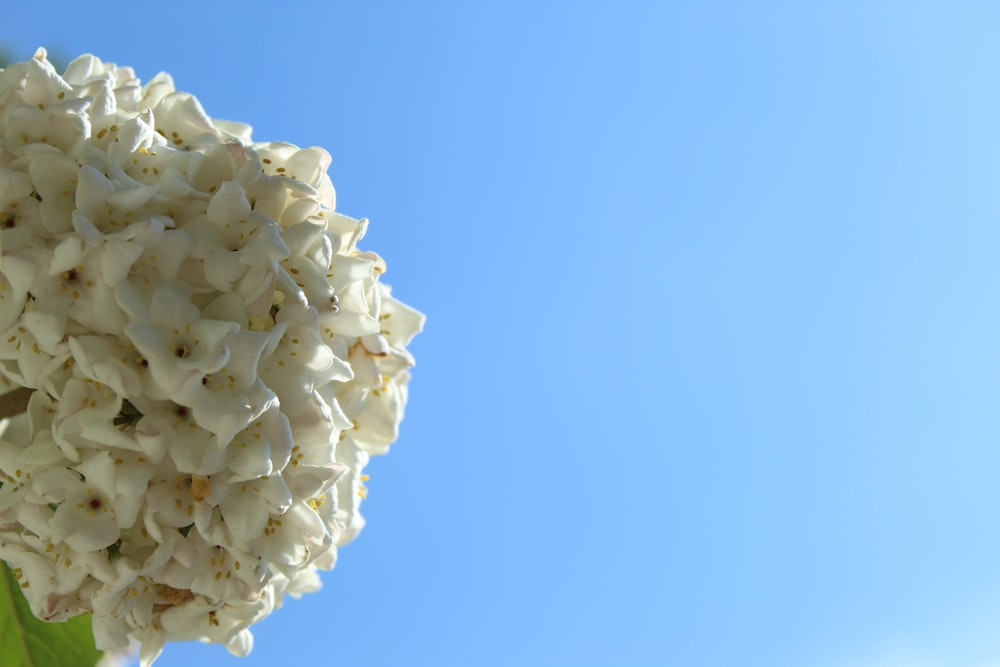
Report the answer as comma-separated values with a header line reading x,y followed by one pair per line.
x,y
712,363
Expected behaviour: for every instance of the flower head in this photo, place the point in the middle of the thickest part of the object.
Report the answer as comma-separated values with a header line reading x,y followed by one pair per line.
x,y
212,357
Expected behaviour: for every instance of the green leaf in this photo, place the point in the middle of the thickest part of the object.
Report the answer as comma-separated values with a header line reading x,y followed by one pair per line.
x,y
26,641
128,415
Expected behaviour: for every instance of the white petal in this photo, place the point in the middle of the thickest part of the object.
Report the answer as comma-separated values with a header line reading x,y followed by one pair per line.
x,y
228,204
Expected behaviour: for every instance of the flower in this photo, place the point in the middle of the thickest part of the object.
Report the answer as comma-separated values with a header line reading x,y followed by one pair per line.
x,y
213,360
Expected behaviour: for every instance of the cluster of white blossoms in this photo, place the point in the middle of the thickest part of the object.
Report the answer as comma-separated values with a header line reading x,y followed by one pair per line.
x,y
213,360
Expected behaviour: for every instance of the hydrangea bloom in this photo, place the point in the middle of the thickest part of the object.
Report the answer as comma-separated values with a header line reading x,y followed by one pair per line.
x,y
212,359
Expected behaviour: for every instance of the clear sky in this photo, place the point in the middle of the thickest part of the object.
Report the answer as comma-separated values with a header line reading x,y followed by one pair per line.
x,y
711,374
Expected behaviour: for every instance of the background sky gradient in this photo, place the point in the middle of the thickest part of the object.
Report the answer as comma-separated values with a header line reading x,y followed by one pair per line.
x,y
711,372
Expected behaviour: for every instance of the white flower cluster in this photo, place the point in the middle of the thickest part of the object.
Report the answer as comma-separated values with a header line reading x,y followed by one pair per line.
x,y
213,360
